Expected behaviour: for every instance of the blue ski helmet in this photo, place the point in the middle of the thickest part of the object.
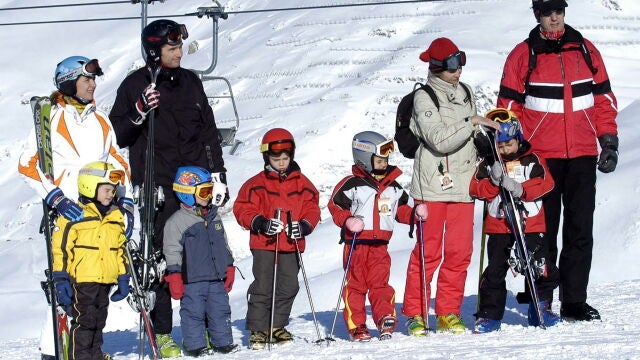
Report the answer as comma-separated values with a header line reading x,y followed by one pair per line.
x,y
69,69
192,181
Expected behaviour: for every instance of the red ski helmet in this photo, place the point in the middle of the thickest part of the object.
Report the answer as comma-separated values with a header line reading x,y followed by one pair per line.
x,y
276,141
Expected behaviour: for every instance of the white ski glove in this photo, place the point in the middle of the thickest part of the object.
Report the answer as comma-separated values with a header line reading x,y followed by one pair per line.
x,y
514,187
220,190
496,173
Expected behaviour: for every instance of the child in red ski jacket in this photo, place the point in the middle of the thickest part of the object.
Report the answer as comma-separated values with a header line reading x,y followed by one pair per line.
x,y
365,205
278,205
528,179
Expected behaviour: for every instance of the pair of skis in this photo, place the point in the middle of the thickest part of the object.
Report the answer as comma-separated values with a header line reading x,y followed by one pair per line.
x,y
515,215
144,261
41,108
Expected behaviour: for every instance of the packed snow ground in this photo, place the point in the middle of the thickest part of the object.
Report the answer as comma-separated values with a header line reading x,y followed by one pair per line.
x,y
325,75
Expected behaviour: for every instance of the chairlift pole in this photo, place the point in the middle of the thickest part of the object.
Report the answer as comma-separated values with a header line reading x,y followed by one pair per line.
x,y
217,12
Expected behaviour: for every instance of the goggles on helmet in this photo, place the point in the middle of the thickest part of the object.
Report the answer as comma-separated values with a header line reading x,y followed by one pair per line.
x,y
501,115
89,69
202,191
277,146
452,62
112,176
175,34
383,149
548,12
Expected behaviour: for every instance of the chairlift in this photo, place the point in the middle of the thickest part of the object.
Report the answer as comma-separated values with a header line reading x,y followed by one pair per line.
x,y
227,134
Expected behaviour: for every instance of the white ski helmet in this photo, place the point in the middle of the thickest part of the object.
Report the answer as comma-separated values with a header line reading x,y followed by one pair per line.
x,y
368,143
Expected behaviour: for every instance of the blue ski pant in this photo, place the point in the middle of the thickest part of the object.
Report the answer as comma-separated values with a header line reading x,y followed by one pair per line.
x,y
205,303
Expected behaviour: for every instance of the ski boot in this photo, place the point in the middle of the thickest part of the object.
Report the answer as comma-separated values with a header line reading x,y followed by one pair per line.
x,y
360,334
281,336
227,349
168,348
451,323
387,325
548,317
258,340
485,325
415,326
578,312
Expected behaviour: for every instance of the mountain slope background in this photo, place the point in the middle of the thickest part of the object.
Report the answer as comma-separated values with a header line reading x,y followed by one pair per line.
x,y
324,74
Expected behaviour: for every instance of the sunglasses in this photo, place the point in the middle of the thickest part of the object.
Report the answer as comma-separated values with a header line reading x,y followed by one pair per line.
x,y
548,12
382,149
277,146
112,176
202,191
452,62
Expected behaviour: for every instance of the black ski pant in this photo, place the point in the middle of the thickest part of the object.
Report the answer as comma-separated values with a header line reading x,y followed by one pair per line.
x,y
89,311
493,287
162,313
575,190
259,294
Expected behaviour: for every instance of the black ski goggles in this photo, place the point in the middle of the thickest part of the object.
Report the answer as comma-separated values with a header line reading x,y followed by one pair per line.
x,y
549,12
452,62
175,34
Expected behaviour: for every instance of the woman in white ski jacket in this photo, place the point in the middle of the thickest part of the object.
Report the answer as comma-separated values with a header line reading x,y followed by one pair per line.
x,y
442,171
80,134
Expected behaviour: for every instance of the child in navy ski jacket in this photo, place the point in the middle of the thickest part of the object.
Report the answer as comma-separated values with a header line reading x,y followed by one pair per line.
x,y
281,185
366,205
528,179
200,269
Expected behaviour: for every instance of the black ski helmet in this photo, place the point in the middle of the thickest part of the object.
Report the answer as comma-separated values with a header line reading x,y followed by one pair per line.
x,y
162,32
540,6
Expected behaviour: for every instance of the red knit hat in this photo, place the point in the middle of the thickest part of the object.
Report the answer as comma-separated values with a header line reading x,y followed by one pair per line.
x,y
439,49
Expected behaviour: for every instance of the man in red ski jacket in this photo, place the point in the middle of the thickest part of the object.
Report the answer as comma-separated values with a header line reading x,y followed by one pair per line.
x,y
556,83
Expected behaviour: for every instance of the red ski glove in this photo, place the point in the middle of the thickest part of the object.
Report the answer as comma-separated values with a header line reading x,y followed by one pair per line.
x,y
176,286
231,276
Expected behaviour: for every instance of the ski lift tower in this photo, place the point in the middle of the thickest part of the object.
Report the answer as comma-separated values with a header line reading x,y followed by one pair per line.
x,y
227,134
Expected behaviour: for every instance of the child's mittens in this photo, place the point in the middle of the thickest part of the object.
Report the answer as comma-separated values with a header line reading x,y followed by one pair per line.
x,y
421,211
514,187
176,285
354,224
496,173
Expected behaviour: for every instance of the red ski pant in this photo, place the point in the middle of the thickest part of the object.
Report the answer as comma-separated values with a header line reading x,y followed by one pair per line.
x,y
448,243
368,274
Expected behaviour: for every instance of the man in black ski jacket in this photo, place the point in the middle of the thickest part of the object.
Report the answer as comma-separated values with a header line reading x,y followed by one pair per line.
x,y
185,134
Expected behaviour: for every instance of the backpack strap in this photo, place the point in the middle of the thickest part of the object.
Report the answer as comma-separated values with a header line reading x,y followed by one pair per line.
x,y
432,94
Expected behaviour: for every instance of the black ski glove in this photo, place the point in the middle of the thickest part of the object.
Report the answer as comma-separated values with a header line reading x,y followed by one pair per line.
x,y
266,226
609,153
298,229
484,147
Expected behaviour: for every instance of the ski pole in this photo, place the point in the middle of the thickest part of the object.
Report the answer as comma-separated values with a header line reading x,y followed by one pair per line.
x,y
483,243
344,281
306,281
424,278
275,276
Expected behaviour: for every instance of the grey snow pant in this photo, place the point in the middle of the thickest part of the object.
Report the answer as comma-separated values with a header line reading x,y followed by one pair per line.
x,y
260,290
